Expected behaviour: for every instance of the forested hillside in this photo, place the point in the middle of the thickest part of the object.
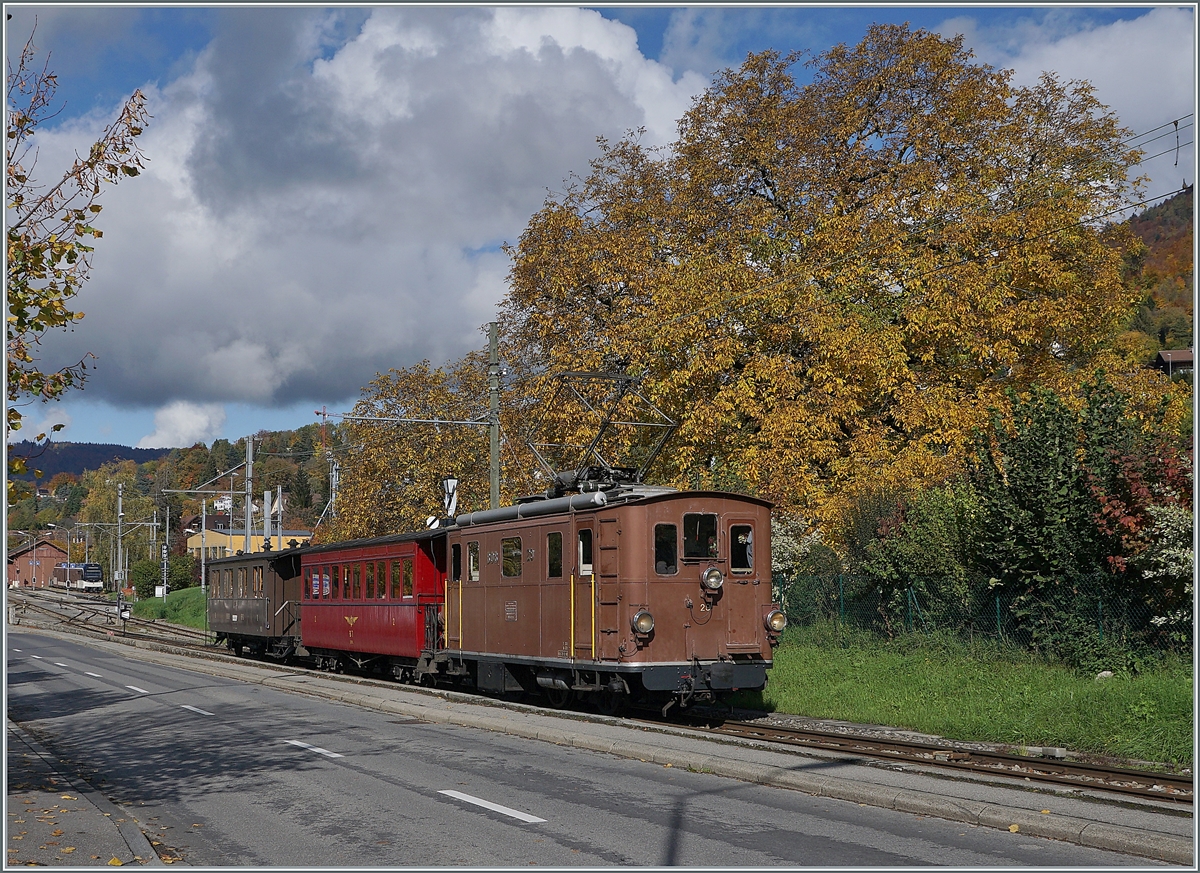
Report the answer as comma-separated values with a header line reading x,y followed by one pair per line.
x,y
1164,319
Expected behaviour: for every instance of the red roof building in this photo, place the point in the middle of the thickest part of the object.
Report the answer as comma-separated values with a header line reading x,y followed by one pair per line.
x,y
34,565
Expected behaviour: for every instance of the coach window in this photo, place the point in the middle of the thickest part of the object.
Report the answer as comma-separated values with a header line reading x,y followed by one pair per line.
x,y
666,549
227,583
337,581
381,575
214,583
408,577
241,582
357,581
510,555
456,562
326,592
699,535
258,581
585,551
370,581
396,588
473,562
306,584
554,555
741,548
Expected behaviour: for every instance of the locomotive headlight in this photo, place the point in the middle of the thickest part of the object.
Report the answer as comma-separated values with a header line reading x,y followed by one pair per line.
x,y
775,621
643,622
712,579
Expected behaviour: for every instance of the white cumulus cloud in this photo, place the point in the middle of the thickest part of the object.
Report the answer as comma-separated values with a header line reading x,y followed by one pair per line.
x,y
182,423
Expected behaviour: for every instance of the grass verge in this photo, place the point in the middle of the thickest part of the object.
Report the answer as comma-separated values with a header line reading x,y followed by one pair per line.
x,y
981,692
185,606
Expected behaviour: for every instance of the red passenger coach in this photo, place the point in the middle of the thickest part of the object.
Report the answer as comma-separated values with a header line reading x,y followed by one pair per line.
x,y
373,602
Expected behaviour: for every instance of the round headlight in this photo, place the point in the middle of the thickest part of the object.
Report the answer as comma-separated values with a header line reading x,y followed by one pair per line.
x,y
776,621
712,579
643,622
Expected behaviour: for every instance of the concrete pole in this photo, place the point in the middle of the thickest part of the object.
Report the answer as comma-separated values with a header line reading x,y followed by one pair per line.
x,y
494,412
120,518
249,491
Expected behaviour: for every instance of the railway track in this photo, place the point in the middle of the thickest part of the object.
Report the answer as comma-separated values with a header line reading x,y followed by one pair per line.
x,y
1144,784
98,616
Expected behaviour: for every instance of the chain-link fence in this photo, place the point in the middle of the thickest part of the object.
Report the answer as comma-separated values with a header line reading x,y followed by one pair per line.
x,y
1087,623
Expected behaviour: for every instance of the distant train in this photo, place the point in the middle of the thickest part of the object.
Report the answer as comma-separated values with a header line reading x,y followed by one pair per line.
x,y
630,594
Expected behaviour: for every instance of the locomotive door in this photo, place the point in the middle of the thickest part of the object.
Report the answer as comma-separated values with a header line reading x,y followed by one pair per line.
x,y
585,583
608,627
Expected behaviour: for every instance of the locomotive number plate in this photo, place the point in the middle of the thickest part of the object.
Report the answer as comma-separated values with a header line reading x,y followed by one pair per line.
x,y
510,610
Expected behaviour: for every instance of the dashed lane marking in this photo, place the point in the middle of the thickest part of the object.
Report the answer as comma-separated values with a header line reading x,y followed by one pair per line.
x,y
494,807
97,675
138,690
317,749
59,664
39,657
197,709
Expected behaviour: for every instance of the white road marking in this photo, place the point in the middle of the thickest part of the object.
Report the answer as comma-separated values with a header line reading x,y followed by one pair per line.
x,y
317,749
138,690
17,650
39,657
97,675
197,709
57,664
494,807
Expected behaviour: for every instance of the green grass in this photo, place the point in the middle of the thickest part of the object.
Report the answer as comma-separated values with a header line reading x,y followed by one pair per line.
x,y
185,606
981,692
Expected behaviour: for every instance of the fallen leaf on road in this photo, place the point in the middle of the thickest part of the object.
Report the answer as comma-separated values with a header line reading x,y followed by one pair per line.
x,y
1013,828
68,850
69,797
115,862
56,833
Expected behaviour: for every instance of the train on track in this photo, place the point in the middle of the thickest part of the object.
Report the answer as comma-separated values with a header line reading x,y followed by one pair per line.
x,y
628,593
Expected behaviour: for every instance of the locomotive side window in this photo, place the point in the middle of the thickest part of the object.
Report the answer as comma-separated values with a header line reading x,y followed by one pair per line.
x,y
554,555
666,549
510,551
408,577
456,562
473,562
741,548
585,551
699,535
337,581
380,574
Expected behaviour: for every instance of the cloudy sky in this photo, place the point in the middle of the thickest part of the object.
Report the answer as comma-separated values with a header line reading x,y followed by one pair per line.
x,y
328,189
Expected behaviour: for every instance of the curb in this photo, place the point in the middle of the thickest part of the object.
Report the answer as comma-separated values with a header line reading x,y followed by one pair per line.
x,y
130,832
1169,848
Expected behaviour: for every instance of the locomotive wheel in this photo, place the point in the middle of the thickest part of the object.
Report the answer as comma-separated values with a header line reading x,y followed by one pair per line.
x,y
557,697
613,703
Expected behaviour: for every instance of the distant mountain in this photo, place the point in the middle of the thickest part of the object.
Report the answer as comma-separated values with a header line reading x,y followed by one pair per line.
x,y
77,457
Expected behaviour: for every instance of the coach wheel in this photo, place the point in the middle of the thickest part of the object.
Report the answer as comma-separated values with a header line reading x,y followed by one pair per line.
x,y
558,698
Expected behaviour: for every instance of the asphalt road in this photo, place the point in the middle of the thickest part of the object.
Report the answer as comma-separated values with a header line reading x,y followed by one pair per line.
x,y
230,773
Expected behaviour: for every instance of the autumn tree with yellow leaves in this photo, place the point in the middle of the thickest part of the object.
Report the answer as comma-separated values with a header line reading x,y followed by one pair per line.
x,y
829,284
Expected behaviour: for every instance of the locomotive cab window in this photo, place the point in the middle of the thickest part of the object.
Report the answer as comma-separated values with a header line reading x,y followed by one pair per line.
x,y
473,562
699,535
510,552
741,548
554,555
666,549
456,562
585,552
